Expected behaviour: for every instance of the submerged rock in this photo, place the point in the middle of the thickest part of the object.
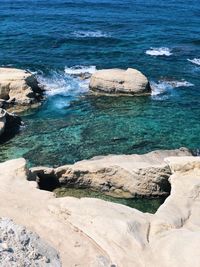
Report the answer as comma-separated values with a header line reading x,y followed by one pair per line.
x,y
9,124
120,82
119,175
18,87
92,232
21,247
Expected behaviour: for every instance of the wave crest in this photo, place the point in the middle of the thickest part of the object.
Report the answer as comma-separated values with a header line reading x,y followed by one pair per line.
x,y
163,87
195,61
162,51
90,34
79,70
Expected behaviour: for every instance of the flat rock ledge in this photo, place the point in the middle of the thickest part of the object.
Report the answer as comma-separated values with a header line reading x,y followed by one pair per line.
x,y
21,247
9,124
19,89
124,176
92,232
120,82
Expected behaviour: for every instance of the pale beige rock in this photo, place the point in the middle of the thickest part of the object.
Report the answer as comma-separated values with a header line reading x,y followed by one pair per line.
x,y
118,81
92,232
121,175
33,208
176,226
183,164
19,86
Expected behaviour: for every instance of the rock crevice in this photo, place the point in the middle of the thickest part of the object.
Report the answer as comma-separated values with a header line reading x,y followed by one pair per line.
x,y
119,175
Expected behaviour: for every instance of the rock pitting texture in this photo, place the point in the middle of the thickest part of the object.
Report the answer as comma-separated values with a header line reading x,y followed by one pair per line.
x,y
95,233
22,248
120,82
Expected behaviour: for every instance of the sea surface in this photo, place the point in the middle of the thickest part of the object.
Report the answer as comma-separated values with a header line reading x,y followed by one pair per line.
x,y
59,40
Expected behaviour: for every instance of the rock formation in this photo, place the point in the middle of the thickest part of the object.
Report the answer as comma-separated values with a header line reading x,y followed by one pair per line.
x,y
119,175
9,124
19,88
92,232
120,82
20,247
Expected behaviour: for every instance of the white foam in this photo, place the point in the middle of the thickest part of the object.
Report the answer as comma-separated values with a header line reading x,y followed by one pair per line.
x,y
176,84
64,83
78,70
90,34
195,61
162,51
162,87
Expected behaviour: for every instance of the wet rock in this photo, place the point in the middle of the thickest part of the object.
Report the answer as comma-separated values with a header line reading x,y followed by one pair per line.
x,y
9,124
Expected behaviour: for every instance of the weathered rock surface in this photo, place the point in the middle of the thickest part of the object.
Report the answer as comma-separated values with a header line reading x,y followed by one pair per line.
x,y
21,247
118,175
120,82
92,232
9,123
18,87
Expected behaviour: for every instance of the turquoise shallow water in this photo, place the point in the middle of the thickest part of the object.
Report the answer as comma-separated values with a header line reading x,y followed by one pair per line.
x,y
59,38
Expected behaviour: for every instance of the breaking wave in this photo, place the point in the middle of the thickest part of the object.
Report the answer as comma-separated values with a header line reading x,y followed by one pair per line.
x,y
162,51
164,87
195,61
64,86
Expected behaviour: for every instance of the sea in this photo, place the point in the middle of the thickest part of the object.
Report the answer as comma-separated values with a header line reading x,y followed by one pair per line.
x,y
61,40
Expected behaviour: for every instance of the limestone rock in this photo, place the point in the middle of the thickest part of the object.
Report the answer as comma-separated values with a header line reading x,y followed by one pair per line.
x,y
118,175
21,247
35,209
120,82
93,233
19,87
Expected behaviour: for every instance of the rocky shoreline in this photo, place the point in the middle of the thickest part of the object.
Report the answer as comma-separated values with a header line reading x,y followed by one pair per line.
x,y
93,232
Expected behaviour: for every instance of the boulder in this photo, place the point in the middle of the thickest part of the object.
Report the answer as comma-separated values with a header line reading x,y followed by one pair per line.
x,y
118,175
9,124
120,82
19,87
92,232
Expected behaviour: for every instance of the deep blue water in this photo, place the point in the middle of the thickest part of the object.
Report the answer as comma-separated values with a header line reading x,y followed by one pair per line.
x,y
54,37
